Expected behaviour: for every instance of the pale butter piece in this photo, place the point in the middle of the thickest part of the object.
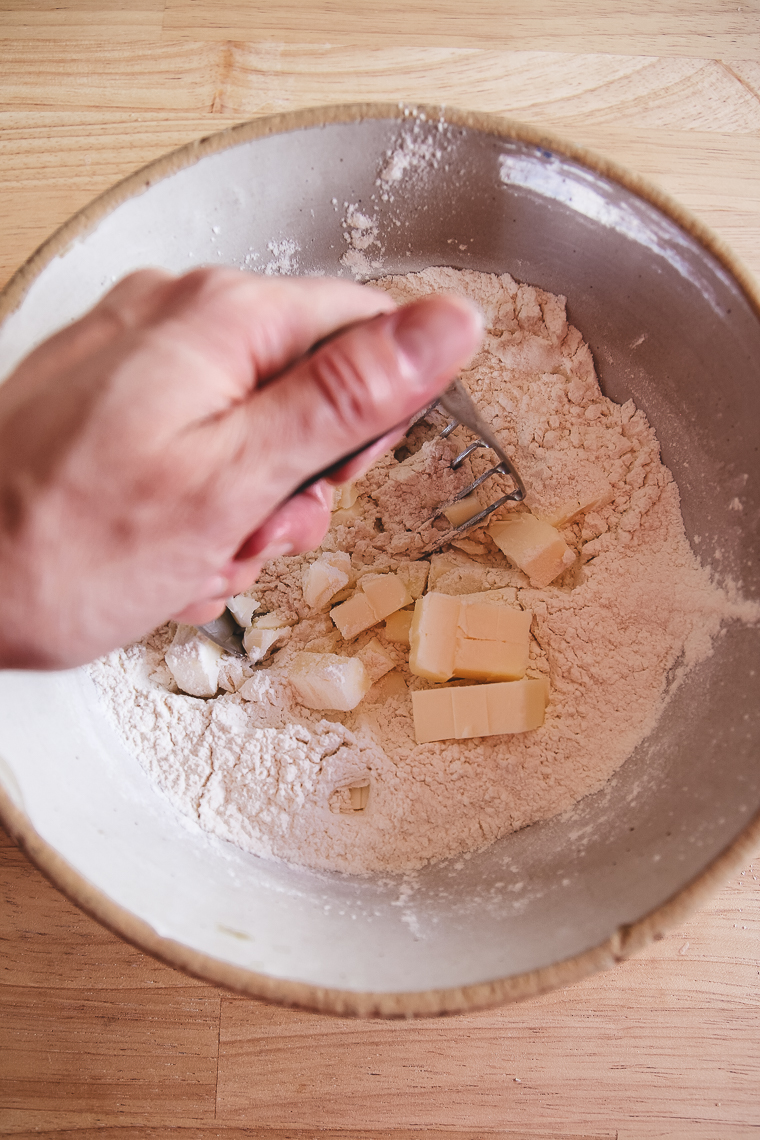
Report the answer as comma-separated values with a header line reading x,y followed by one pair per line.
x,y
432,636
386,594
397,626
379,596
344,496
464,509
414,575
464,712
493,622
534,546
433,715
242,608
193,662
325,577
376,660
490,660
328,681
475,640
258,640
354,616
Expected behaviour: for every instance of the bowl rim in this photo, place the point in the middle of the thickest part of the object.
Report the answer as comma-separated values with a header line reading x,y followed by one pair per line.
x,y
628,939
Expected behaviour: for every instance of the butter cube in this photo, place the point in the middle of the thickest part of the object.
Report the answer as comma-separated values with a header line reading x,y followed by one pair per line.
x,y
433,715
325,578
492,622
328,681
516,706
376,660
470,708
535,547
464,509
397,626
258,640
490,660
193,662
464,712
414,575
451,638
380,595
386,594
344,496
432,636
354,616
242,609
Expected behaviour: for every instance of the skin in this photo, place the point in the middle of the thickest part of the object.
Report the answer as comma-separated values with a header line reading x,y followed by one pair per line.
x,y
150,451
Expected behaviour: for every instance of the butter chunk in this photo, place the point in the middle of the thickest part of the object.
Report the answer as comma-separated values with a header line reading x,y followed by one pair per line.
x,y
397,626
463,509
432,636
433,715
414,575
534,546
386,594
354,616
379,596
490,660
328,681
464,712
193,662
474,640
376,660
258,640
242,609
325,577
493,622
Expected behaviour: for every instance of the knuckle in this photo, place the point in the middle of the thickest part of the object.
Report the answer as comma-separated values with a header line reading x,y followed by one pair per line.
x,y
349,385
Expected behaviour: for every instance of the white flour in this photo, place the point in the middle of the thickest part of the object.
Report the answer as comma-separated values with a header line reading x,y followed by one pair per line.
x,y
254,766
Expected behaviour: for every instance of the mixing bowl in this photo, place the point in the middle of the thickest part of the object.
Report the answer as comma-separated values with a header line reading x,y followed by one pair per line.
x,y
673,321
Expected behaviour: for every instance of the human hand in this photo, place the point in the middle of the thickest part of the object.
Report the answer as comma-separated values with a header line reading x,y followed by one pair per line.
x,y
147,451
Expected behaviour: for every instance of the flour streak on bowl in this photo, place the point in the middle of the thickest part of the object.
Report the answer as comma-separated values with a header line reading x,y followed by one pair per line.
x,y
673,321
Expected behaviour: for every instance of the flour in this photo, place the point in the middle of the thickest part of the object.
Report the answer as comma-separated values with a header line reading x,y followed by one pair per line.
x,y
632,616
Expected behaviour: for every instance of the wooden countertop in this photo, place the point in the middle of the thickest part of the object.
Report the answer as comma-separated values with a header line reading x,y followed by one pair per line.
x,y
96,1039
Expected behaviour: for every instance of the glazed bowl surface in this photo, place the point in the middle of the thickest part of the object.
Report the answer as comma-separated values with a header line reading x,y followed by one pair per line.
x,y
673,321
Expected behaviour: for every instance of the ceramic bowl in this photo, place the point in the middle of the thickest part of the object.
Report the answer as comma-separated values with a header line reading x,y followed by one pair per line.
x,y
673,321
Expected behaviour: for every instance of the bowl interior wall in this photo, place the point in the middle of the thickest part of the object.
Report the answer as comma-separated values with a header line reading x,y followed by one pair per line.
x,y
668,327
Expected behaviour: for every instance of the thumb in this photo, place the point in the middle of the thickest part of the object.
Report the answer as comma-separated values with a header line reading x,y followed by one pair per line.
x,y
356,387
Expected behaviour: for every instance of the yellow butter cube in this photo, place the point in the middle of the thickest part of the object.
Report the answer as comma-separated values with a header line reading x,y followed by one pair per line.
x,y
464,712
325,577
489,660
535,547
354,616
397,626
386,594
489,622
328,681
432,636
433,715
380,595
463,509
376,660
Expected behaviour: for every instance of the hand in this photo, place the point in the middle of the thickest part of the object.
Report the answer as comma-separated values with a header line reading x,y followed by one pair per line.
x,y
147,451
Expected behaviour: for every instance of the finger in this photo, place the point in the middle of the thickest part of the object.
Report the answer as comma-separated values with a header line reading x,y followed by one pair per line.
x,y
357,387
248,329
198,613
299,524
361,463
122,308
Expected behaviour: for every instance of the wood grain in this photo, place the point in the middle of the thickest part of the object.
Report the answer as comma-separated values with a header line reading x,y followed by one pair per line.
x,y
93,1034
643,27
96,1039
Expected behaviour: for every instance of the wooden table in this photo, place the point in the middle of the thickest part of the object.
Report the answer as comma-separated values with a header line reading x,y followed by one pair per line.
x,y
97,1040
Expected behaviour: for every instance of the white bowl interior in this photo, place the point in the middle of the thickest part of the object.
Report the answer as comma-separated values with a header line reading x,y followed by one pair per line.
x,y
669,326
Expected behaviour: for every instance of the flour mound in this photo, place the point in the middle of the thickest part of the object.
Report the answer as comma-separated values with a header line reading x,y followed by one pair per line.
x,y
255,767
